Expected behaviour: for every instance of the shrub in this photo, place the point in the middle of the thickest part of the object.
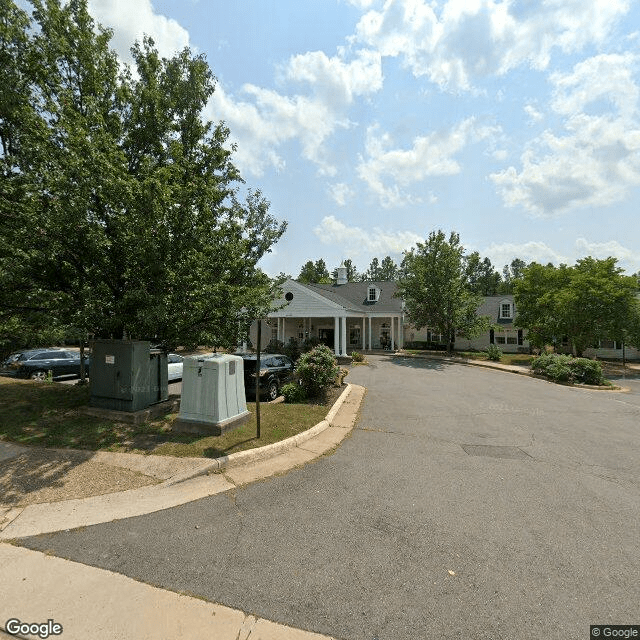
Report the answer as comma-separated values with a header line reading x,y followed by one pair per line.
x,y
291,349
587,371
564,368
357,357
317,369
494,353
558,372
275,346
293,392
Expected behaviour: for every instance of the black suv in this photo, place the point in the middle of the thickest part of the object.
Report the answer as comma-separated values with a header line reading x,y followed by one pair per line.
x,y
275,370
35,363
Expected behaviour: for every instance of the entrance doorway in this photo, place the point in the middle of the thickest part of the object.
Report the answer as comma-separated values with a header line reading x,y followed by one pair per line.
x,y
326,336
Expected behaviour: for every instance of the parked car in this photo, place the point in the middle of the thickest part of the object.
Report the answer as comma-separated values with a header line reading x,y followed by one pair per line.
x,y
275,370
35,363
174,363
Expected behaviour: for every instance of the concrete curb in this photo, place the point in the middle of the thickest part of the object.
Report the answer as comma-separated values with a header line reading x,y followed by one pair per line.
x,y
266,452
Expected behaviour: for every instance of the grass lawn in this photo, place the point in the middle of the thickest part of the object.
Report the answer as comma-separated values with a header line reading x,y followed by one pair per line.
x,y
47,415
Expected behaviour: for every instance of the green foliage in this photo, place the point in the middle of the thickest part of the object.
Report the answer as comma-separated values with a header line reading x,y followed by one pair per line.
x,y
433,284
481,277
564,368
292,349
317,370
293,392
357,356
121,211
587,302
587,371
314,273
494,352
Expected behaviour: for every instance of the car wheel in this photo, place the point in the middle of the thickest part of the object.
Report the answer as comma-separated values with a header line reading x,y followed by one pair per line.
x,y
272,390
38,375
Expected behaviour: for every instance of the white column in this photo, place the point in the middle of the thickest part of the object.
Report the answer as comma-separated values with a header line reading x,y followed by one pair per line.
x,y
400,333
369,333
336,335
391,335
343,350
363,334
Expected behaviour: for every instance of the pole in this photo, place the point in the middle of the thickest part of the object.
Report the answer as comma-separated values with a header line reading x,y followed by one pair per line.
x,y
258,379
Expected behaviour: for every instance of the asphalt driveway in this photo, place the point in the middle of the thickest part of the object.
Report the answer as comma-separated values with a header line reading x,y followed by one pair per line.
x,y
468,503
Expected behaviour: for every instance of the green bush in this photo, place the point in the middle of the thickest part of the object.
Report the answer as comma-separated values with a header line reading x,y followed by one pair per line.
x,y
293,392
587,371
317,370
558,372
565,368
292,349
357,357
494,353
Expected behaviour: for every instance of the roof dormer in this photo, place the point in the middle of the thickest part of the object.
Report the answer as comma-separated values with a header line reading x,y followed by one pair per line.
x,y
373,294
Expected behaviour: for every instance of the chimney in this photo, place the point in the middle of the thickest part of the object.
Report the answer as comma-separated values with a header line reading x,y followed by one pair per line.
x,y
342,274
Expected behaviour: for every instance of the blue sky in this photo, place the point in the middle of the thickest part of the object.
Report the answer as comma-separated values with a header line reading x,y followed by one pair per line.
x,y
367,124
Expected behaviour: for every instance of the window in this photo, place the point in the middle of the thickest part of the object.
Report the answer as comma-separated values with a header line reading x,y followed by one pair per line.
x,y
512,340
610,344
500,340
373,294
354,335
505,310
274,334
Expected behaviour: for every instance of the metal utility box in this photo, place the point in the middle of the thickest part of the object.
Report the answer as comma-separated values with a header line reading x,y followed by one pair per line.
x,y
127,375
213,398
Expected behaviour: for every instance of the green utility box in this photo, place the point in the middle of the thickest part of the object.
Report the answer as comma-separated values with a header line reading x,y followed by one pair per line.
x,y
127,375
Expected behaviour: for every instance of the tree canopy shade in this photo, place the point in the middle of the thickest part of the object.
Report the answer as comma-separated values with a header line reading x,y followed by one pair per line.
x,y
433,284
588,302
120,206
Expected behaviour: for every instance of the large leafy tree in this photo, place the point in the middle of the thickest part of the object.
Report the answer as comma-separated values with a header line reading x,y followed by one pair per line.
x,y
433,284
121,212
481,276
587,302
314,272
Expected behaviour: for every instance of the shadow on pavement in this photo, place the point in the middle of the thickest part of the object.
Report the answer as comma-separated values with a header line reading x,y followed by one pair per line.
x,y
435,364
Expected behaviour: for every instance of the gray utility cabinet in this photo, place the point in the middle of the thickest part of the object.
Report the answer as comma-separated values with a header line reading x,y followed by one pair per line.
x,y
213,398
127,375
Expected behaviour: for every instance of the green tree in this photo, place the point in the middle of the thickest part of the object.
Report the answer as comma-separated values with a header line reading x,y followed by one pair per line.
x,y
481,276
374,272
588,302
434,287
388,270
314,273
125,214
511,273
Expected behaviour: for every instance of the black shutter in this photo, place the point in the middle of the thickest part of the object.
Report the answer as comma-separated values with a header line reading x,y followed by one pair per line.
x,y
492,339
520,337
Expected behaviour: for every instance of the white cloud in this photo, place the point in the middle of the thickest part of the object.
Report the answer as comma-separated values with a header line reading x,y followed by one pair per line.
x,y
130,21
534,115
431,155
597,160
504,253
627,258
469,39
356,241
263,120
341,193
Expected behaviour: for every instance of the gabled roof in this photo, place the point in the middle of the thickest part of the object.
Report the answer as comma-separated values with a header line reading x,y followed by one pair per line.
x,y
491,307
353,296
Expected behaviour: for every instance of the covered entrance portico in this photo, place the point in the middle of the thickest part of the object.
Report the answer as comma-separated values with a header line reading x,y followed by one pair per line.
x,y
342,334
